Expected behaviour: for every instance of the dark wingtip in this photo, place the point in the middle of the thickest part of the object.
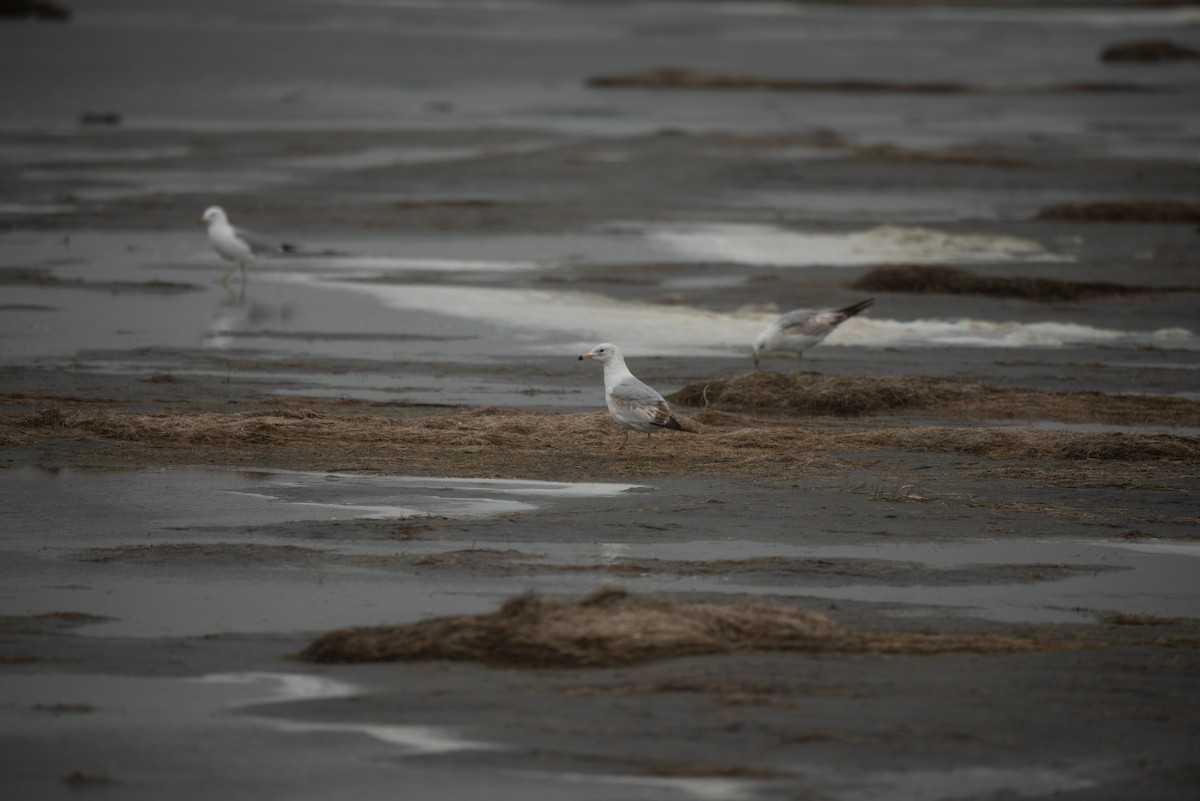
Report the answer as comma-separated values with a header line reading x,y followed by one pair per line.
x,y
580,358
855,308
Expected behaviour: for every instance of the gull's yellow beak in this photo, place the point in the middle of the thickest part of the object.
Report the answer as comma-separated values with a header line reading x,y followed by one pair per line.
x,y
585,356
200,221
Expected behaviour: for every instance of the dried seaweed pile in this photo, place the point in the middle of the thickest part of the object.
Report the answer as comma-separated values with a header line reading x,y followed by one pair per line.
x,y
1157,211
859,395
493,442
836,395
924,279
610,627
473,428
1148,51
683,78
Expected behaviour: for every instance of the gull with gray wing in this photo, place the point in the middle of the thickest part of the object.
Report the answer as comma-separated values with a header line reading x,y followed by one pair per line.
x,y
796,331
634,405
237,246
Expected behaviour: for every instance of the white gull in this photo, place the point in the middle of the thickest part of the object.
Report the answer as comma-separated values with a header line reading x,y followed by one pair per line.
x,y
634,405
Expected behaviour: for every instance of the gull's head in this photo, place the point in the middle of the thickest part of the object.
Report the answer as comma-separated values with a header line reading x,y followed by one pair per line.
x,y
602,352
760,342
213,214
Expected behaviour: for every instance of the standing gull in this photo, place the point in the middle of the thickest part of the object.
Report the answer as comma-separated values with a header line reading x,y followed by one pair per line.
x,y
634,405
797,331
236,245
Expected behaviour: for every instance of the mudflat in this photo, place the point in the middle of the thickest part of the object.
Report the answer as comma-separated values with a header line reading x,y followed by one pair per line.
x,y
360,523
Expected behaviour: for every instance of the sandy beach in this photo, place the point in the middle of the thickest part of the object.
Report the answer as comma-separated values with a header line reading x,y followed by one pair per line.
x,y
357,523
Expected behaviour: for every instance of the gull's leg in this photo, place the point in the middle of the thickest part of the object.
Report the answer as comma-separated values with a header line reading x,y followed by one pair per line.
x,y
796,366
624,439
225,276
242,267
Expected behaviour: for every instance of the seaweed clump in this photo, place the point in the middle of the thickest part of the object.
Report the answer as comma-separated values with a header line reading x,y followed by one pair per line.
x,y
830,395
42,9
1158,211
1148,51
847,395
683,78
924,279
610,627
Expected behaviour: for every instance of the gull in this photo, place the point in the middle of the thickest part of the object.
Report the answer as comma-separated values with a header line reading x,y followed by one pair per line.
x,y
236,245
797,331
634,405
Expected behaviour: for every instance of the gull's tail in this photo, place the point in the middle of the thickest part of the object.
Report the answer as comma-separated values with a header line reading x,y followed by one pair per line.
x,y
674,423
854,309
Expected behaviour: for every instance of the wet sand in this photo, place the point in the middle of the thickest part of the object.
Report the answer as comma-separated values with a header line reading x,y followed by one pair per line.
x,y
979,497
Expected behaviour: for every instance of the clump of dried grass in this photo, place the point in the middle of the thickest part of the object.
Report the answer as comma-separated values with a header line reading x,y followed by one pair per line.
x,y
1148,51
923,279
479,428
492,442
1130,619
1029,444
1158,211
682,78
834,395
610,627
859,395
45,623
243,553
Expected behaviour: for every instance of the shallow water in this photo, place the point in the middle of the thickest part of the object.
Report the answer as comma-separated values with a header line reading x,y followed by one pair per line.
x,y
48,510
539,54
52,516
482,300
93,720
99,715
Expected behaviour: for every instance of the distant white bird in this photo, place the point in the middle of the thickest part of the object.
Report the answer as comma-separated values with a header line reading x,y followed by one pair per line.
x,y
634,405
796,331
236,245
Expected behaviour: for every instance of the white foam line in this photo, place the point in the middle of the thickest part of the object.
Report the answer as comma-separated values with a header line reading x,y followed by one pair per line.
x,y
874,332
640,329
1191,549
283,687
419,740
778,247
396,264
516,486
583,318
508,485
457,506
701,789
